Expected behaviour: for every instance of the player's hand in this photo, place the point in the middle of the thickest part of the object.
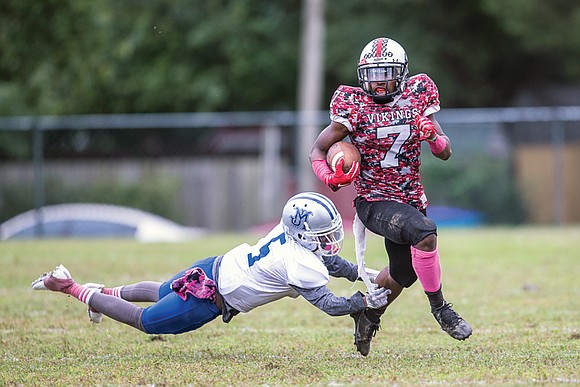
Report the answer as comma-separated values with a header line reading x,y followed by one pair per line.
x,y
339,179
426,128
372,273
377,297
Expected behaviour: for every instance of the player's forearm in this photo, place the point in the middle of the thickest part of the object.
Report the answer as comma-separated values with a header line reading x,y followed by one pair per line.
x,y
441,147
317,154
330,304
341,268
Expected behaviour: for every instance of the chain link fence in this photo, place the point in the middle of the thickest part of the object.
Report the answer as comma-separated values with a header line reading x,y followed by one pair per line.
x,y
231,171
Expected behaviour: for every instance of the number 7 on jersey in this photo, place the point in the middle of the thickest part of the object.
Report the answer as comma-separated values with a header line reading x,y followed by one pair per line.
x,y
402,132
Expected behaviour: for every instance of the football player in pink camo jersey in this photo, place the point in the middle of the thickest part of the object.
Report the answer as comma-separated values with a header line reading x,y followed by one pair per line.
x,y
387,118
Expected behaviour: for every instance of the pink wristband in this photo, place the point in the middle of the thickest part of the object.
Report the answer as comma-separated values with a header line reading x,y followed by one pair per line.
x,y
321,169
438,145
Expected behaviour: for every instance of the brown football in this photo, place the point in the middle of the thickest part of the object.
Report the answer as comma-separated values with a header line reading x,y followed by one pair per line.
x,y
342,149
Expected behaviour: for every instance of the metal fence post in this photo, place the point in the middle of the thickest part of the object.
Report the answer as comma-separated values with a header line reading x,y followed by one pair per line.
x,y
39,193
272,169
559,197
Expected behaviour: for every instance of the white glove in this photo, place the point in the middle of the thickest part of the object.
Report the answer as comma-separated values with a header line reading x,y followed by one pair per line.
x,y
372,273
377,297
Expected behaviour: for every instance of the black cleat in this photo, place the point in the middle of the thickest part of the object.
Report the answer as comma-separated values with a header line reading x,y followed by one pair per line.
x,y
364,331
451,322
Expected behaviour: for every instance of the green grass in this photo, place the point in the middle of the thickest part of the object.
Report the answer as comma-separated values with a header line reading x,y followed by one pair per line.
x,y
518,287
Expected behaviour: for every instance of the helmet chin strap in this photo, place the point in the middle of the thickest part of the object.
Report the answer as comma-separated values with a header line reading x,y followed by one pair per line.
x,y
382,99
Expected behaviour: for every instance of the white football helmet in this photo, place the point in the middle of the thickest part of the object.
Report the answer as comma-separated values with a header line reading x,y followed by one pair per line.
x,y
314,222
383,60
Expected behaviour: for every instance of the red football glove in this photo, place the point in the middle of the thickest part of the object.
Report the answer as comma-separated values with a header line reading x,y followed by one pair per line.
x,y
337,179
340,179
426,128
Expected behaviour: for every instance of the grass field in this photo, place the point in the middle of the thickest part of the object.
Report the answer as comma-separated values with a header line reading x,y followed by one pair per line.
x,y
518,288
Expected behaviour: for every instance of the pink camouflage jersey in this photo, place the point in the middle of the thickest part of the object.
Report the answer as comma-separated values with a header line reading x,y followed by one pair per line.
x,y
387,138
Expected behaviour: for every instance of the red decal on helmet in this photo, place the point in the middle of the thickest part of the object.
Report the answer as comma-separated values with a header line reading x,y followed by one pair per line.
x,y
379,48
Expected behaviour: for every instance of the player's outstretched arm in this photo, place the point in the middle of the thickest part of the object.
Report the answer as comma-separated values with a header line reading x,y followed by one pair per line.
x,y
323,298
341,268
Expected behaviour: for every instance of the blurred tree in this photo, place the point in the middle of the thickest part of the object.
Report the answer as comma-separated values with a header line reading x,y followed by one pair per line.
x,y
125,56
71,56
463,45
79,56
549,31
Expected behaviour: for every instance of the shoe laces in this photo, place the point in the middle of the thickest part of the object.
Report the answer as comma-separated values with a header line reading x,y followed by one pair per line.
x,y
448,316
375,328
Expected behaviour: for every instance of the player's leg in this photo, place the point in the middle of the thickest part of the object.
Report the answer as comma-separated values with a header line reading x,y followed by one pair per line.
x,y
426,262
173,314
170,314
403,224
425,258
411,241
400,273
117,309
397,276
406,230
60,280
367,322
144,291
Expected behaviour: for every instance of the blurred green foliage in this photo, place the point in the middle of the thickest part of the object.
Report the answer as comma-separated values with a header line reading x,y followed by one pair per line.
x,y
124,56
486,185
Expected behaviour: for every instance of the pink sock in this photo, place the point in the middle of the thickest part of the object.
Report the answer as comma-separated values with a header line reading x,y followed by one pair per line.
x,y
113,291
80,292
428,268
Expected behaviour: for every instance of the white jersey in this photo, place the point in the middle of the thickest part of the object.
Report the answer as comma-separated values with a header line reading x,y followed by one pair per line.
x,y
250,276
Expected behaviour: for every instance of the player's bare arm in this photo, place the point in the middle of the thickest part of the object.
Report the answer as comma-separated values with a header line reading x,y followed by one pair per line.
x,y
335,179
332,133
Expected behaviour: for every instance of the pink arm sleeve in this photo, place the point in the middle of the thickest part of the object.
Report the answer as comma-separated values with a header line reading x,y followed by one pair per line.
x,y
321,169
438,145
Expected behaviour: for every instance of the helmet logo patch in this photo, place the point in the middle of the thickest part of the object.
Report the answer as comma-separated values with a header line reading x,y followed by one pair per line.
x,y
300,218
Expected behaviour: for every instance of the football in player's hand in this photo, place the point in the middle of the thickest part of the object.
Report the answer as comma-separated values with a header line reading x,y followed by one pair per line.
x,y
342,149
